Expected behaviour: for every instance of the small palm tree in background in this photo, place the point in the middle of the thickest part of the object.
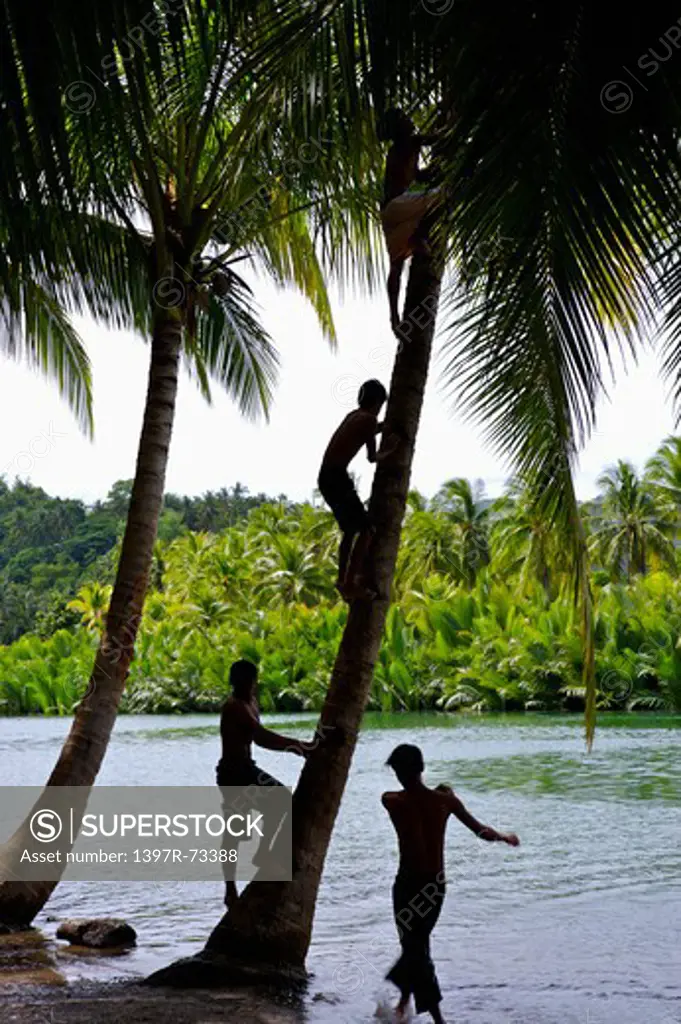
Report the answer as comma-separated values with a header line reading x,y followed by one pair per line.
x,y
524,543
430,546
466,506
633,528
292,572
663,473
92,602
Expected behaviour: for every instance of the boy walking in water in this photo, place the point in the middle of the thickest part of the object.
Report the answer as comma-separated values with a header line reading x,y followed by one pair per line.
x,y
239,728
420,817
359,428
403,209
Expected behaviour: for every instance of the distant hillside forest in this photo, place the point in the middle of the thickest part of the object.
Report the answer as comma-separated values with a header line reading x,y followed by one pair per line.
x,y
50,547
483,616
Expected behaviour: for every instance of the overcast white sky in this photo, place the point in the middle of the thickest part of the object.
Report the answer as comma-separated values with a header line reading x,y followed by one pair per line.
x,y
213,447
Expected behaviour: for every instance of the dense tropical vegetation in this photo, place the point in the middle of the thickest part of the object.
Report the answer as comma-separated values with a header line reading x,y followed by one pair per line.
x,y
50,547
483,617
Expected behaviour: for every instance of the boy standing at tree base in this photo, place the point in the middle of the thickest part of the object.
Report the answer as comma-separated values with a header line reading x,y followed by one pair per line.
x,y
240,728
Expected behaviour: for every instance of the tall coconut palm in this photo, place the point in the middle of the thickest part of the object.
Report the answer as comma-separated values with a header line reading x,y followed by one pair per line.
x,y
271,923
632,528
167,152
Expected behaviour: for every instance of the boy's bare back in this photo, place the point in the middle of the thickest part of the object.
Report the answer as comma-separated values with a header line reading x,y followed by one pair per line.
x,y
420,817
357,429
401,167
420,820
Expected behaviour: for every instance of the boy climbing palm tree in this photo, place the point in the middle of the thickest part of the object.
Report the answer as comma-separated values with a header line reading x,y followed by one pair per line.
x,y
404,208
359,428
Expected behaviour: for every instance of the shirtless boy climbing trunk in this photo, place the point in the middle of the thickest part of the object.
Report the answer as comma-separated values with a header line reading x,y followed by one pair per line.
x,y
406,203
359,428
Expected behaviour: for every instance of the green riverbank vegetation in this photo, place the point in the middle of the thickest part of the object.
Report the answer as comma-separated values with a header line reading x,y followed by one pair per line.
x,y
483,617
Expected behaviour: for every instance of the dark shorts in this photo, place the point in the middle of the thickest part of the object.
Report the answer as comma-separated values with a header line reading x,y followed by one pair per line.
x,y
417,902
338,491
243,773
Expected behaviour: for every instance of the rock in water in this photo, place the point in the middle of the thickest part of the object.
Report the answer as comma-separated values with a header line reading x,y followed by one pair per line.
x,y
98,932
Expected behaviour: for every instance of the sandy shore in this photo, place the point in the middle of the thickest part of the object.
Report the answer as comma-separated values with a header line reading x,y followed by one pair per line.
x,y
122,1002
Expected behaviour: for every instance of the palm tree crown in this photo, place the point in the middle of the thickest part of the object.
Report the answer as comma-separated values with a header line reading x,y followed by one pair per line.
x,y
633,527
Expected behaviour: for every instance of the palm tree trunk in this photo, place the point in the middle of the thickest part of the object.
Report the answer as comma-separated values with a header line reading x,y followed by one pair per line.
x,y
270,927
546,581
85,746
643,564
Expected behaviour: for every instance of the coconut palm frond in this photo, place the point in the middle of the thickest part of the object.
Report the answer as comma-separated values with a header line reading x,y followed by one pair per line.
x,y
36,328
231,346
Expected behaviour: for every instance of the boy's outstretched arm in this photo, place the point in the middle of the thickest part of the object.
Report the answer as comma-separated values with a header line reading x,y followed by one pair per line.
x,y
485,832
275,741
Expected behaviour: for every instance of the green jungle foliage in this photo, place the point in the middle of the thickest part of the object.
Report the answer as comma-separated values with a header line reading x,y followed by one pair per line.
x,y
50,547
483,617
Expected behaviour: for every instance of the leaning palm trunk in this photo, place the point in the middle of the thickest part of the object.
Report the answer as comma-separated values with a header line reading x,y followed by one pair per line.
x,y
270,928
84,750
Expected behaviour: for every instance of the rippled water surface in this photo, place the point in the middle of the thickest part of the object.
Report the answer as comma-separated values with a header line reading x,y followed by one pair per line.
x,y
581,924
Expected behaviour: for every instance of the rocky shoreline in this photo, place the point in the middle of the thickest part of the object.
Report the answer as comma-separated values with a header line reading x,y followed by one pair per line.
x,y
34,990
119,1002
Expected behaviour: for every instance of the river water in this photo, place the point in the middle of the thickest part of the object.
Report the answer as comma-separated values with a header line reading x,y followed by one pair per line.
x,y
580,925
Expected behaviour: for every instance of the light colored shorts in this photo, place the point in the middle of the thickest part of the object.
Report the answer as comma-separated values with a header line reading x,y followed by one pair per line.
x,y
400,219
